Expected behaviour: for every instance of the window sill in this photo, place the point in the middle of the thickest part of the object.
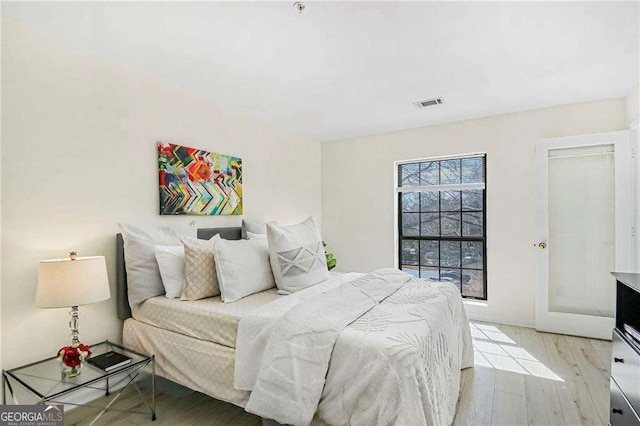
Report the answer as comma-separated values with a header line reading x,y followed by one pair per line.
x,y
482,303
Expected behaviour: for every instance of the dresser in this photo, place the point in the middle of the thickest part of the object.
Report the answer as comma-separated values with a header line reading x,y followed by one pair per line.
x,y
625,357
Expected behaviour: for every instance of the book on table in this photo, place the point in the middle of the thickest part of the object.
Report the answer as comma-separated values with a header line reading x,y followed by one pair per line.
x,y
109,361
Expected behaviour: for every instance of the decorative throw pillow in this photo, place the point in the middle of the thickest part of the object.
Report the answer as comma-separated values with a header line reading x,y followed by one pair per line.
x,y
297,256
253,226
199,269
143,275
242,268
171,263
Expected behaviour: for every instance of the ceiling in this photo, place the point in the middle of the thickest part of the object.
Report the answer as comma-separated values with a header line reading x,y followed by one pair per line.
x,y
346,69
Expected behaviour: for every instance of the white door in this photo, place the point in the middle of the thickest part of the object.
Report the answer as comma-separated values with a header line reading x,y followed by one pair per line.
x,y
584,220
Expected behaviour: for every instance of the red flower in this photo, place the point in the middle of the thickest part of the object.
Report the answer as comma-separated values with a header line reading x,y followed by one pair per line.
x,y
71,360
71,356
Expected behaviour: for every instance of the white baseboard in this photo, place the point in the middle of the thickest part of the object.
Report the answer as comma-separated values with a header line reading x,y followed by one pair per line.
x,y
519,322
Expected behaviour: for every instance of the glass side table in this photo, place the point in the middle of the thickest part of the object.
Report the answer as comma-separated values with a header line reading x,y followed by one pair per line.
x,y
42,382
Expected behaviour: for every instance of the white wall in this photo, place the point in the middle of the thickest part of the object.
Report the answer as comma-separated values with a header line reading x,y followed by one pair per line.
x,y
358,192
79,155
2,391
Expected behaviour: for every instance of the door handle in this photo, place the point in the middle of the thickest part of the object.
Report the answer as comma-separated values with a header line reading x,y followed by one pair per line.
x,y
542,245
620,360
616,411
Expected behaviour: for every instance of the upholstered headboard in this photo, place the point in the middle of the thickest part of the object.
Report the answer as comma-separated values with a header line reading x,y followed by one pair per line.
x,y
124,310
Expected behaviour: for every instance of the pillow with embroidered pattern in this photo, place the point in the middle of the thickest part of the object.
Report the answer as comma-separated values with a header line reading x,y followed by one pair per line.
x,y
297,255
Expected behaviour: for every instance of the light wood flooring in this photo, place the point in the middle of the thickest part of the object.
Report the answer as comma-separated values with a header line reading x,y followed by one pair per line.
x,y
525,377
521,377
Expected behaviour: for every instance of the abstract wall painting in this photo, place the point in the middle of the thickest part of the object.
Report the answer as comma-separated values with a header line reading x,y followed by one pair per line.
x,y
198,182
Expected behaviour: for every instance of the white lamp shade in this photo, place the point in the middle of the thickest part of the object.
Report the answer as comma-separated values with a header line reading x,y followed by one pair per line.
x,y
65,282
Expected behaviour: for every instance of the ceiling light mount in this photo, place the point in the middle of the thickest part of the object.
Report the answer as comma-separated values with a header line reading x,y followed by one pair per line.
x,y
299,7
429,102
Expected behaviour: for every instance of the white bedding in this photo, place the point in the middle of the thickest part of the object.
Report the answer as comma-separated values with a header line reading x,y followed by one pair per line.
x,y
207,319
397,361
200,365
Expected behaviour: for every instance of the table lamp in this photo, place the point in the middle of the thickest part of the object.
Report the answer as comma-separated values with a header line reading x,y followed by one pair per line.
x,y
72,282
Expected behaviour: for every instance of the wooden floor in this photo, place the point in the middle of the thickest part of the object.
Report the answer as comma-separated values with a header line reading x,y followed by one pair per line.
x,y
521,377
525,377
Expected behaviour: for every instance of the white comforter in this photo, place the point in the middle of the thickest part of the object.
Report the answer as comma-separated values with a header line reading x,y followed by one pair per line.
x,y
383,348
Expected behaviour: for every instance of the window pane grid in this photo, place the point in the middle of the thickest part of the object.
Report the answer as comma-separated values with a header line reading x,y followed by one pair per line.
x,y
468,201
442,232
453,171
420,261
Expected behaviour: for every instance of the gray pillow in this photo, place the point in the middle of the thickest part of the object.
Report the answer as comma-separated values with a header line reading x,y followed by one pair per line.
x,y
297,256
143,275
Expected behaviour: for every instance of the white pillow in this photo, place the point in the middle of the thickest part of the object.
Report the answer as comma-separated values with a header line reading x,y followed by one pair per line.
x,y
171,263
143,275
252,236
242,267
253,226
297,256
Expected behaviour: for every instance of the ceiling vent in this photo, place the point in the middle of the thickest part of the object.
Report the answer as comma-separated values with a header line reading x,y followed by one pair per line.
x,y
429,102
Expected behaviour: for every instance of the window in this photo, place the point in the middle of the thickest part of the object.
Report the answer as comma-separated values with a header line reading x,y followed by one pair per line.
x,y
441,222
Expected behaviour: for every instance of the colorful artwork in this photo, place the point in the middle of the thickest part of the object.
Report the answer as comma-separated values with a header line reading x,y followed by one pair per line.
x,y
197,182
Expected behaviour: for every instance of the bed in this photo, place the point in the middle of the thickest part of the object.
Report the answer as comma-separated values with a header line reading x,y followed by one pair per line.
x,y
204,365
381,348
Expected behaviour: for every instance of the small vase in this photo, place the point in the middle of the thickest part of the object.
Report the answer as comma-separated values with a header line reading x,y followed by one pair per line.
x,y
70,372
